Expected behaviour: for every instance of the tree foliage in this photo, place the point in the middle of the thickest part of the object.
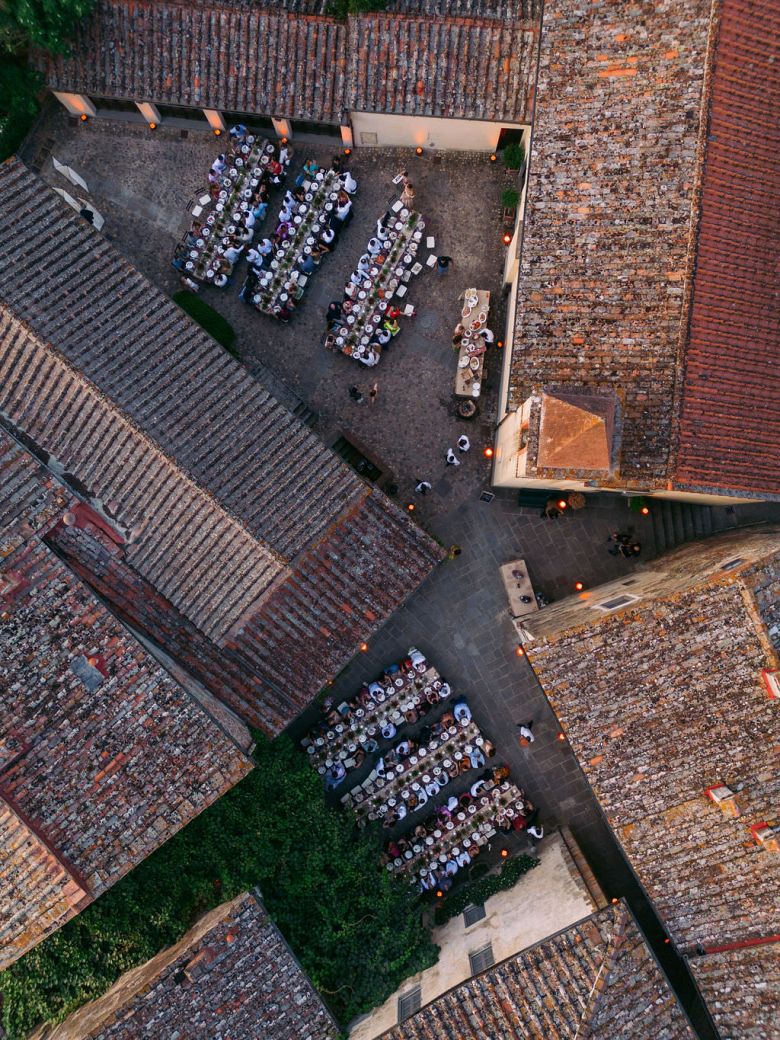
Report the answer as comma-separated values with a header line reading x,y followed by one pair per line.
x,y
47,24
355,928
19,86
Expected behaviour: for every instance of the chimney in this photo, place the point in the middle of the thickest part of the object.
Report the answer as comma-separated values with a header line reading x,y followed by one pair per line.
x,y
765,835
725,799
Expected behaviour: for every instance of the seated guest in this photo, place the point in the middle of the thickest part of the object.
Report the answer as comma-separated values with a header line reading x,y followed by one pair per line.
x,y
445,690
364,266
374,246
260,210
447,719
477,787
343,206
488,748
318,251
286,153
404,749
327,236
382,337
391,326
233,253
283,231
432,788
356,278
451,866
275,171
306,264
238,132
411,716
431,696
393,312
422,797
461,712
388,730
334,776
350,290
255,258
476,758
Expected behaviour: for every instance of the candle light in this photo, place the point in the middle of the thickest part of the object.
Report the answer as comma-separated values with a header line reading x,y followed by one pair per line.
x,y
507,238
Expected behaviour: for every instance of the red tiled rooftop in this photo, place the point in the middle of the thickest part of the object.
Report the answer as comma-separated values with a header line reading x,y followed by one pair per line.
x,y
730,423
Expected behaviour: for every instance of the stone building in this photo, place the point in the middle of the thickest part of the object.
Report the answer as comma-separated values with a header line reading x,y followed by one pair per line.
x,y
548,912
232,975
423,72
597,979
218,526
644,351
667,687
103,756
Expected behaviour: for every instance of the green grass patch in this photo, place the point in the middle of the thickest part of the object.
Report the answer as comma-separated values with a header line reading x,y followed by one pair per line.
x,y
210,321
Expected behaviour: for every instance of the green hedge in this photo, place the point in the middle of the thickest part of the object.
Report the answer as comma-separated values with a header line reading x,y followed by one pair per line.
x,y
208,319
478,891
19,87
356,929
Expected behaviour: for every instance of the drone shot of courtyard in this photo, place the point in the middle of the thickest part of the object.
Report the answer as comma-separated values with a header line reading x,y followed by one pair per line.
x,y
389,520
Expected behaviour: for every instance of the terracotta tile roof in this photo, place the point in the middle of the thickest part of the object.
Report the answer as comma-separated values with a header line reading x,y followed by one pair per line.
x,y
730,421
664,699
225,56
231,975
456,67
102,755
596,979
472,61
608,218
742,989
229,509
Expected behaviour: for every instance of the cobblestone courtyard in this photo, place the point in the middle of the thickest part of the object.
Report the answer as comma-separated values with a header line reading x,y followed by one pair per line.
x,y
144,185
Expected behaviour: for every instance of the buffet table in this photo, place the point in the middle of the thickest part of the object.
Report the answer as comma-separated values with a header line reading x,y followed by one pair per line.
x,y
471,355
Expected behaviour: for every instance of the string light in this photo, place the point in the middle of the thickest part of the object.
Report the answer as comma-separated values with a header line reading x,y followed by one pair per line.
x,y
644,511
488,453
561,736
507,238
418,150
347,151
364,647
153,126
493,156
504,854
217,132
519,650
83,117
578,585
411,507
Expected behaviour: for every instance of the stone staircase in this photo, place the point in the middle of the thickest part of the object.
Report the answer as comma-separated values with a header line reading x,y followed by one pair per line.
x,y
674,523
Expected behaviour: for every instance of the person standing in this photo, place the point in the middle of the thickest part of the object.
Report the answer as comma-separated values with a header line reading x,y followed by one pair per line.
x,y
451,459
463,443
423,487
526,736
443,264
373,393
356,395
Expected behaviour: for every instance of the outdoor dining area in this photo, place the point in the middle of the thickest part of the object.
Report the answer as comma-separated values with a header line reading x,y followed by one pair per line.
x,y
366,320
471,338
312,215
239,183
426,772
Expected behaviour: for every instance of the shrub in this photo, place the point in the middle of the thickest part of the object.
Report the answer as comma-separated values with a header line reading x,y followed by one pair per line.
x,y
356,929
19,86
514,154
208,319
478,891
510,198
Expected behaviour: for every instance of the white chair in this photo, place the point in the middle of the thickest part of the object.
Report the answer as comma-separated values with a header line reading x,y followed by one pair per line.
x,y
204,200
430,261
401,290
197,210
409,311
